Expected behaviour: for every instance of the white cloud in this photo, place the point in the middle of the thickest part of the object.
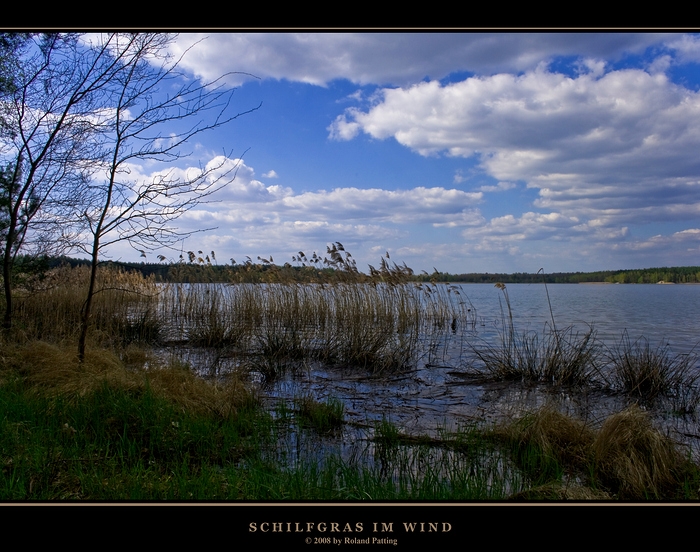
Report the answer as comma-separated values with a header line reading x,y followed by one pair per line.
x,y
686,48
459,177
342,129
500,187
252,218
390,58
604,150
623,140
416,205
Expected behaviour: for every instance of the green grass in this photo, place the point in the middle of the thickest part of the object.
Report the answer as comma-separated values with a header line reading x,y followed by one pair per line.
x,y
115,444
128,442
322,416
104,432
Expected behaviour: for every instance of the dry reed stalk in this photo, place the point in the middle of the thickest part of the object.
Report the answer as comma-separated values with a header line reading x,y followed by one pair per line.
x,y
373,325
125,306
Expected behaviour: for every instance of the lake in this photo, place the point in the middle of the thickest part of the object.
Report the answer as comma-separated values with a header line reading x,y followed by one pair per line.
x,y
661,313
439,396
438,393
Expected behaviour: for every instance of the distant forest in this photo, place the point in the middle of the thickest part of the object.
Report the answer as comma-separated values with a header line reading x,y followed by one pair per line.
x,y
207,271
675,275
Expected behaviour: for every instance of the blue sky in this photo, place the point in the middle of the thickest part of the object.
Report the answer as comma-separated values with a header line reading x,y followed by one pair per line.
x,y
467,152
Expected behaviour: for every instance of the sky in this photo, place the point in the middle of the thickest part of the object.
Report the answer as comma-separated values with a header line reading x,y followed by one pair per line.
x,y
461,152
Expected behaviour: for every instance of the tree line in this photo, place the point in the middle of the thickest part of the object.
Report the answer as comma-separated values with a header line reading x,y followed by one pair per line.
x,y
201,268
674,275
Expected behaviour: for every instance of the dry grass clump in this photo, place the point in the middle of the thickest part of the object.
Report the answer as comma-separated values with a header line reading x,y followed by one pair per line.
x,y
627,458
54,370
556,435
125,308
634,459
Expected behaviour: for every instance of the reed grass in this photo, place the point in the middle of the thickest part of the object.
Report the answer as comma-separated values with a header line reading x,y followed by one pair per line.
x,y
563,357
126,307
649,374
373,326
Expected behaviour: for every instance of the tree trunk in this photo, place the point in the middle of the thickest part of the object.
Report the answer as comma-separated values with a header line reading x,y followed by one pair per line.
x,y
7,272
87,307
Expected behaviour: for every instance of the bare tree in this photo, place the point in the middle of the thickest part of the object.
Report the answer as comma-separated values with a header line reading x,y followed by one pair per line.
x,y
153,112
55,105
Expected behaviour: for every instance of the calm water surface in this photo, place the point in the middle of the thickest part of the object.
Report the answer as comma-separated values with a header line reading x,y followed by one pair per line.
x,y
668,314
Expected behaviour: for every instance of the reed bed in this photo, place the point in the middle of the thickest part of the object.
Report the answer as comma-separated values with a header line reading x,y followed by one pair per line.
x,y
125,307
380,323
375,325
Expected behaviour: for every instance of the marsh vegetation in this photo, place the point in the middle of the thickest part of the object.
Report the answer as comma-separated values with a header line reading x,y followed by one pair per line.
x,y
141,418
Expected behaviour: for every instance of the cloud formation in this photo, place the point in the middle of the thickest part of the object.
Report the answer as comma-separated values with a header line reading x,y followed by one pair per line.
x,y
601,146
252,218
389,58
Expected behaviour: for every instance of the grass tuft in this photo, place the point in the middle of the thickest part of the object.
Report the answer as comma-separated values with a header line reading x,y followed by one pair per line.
x,y
649,374
547,443
627,458
54,370
324,417
634,459
562,357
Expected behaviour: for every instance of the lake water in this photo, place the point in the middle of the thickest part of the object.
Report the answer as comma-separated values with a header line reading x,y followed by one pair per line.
x,y
668,314
438,395
437,392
